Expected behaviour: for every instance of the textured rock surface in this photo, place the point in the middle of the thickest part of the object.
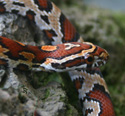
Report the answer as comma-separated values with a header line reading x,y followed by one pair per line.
x,y
28,93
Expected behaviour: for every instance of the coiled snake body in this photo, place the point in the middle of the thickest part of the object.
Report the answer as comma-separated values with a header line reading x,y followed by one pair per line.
x,y
68,55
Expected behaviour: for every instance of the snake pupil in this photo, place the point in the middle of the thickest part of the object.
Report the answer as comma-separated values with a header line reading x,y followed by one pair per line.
x,y
90,59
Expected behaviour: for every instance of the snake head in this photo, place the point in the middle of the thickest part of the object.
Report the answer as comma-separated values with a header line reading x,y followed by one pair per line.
x,y
96,56
73,55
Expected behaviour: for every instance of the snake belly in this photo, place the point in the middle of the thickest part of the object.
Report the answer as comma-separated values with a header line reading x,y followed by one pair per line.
x,y
92,89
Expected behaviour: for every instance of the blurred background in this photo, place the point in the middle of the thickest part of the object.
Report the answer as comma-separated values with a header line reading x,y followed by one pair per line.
x,y
115,5
103,23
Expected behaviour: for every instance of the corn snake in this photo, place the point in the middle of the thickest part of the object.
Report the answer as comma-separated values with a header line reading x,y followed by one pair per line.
x,y
90,84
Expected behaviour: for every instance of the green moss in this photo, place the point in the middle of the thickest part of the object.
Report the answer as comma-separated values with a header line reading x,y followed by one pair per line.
x,y
46,95
71,93
69,110
43,78
22,98
120,20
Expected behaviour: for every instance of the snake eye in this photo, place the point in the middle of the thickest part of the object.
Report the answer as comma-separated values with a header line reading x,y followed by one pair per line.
x,y
90,59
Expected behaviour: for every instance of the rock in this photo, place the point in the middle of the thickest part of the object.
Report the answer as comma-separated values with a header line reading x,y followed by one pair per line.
x,y
2,73
21,96
4,96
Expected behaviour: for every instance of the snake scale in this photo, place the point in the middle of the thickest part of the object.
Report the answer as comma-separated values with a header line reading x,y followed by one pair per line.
x,y
68,52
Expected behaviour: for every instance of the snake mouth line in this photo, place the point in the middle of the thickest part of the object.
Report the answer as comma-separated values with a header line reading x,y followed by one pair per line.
x,y
99,63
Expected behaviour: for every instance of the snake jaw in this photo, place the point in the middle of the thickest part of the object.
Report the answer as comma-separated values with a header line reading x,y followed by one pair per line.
x,y
98,63
101,59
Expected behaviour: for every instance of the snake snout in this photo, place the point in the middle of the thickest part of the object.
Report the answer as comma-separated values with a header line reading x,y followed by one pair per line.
x,y
104,56
101,59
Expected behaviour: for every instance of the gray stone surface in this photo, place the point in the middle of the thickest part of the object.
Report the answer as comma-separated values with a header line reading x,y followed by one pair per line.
x,y
18,97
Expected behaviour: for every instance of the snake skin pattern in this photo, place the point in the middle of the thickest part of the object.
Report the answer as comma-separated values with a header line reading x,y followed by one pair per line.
x,y
68,55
